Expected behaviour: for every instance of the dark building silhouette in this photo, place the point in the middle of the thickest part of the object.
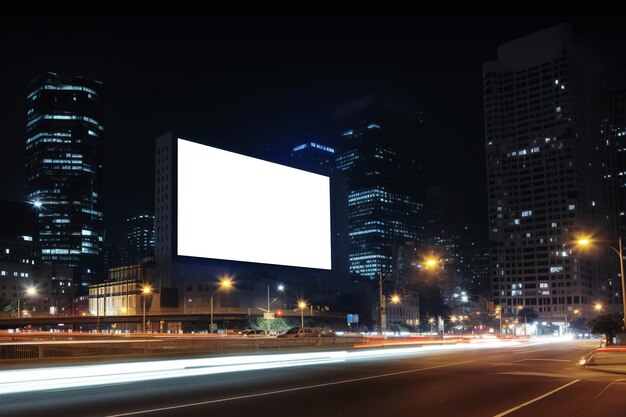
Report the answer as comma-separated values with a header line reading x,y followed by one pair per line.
x,y
64,152
546,160
115,256
460,246
616,131
140,236
313,155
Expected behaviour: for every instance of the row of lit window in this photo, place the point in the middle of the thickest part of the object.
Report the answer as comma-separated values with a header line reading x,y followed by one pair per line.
x,y
15,274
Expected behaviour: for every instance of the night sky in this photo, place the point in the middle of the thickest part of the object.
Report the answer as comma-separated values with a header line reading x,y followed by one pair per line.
x,y
262,80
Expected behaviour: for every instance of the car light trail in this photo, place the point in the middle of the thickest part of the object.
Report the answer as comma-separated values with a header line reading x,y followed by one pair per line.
x,y
54,378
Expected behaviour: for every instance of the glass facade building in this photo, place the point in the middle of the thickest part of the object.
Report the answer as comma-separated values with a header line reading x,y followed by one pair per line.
x,y
140,236
378,152
64,153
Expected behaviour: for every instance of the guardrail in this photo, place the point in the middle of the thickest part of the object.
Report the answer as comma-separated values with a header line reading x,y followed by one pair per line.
x,y
155,347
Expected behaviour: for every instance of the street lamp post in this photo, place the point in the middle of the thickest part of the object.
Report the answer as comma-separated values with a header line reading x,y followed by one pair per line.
x,y
145,291
499,311
620,252
301,303
224,283
383,302
302,306
431,320
29,291
576,311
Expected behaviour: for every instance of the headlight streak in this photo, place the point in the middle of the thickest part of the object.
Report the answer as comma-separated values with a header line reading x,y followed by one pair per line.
x,y
67,377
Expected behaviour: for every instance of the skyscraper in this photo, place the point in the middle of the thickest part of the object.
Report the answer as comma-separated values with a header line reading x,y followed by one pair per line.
x,y
140,236
546,159
64,152
378,152
314,155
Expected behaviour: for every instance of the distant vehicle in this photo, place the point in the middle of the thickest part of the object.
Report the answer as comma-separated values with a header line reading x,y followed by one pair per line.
x,y
307,332
583,336
253,333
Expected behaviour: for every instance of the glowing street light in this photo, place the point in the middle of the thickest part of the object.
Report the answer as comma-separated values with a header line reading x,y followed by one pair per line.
x,y
575,312
301,306
431,320
431,262
226,282
145,291
598,307
29,291
586,241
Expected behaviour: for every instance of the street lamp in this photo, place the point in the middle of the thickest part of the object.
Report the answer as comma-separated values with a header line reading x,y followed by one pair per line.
x,y
301,306
381,302
519,310
224,283
586,241
431,320
430,262
499,311
301,303
29,291
598,307
576,311
145,291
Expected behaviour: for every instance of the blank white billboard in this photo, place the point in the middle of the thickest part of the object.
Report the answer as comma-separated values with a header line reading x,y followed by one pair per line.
x,y
238,208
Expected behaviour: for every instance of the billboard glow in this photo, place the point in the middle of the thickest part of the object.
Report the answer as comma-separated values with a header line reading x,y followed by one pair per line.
x,y
238,208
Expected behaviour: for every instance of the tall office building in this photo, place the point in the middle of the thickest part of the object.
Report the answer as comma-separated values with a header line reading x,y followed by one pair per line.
x,y
378,152
64,152
313,155
546,159
140,236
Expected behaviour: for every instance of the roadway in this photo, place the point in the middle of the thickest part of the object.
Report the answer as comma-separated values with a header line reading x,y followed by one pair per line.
x,y
512,380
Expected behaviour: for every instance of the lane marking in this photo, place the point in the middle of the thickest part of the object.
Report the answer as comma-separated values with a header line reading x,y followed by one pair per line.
x,y
539,350
262,394
547,360
524,373
619,381
510,410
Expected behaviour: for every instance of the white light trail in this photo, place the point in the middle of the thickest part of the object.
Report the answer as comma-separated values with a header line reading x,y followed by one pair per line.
x,y
54,378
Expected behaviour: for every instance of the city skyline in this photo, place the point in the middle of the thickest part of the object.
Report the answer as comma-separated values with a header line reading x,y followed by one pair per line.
x,y
370,208
266,104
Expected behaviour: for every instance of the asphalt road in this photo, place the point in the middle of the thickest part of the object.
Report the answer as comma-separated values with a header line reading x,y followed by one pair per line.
x,y
527,380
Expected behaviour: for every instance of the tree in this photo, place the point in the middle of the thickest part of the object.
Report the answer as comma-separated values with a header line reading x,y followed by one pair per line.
x,y
607,324
528,313
279,325
579,324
